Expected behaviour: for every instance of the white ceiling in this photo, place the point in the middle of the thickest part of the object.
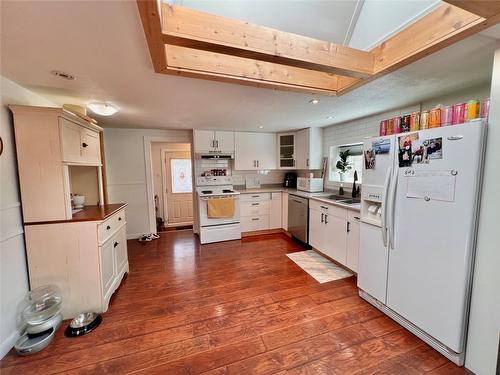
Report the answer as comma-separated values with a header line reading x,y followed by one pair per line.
x,y
103,45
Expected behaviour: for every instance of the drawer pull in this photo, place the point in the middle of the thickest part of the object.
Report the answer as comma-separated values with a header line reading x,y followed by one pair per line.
x,y
116,244
255,196
255,219
324,207
108,227
322,217
326,219
255,204
356,217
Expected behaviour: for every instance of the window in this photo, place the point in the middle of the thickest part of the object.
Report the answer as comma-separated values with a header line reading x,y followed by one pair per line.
x,y
180,170
355,160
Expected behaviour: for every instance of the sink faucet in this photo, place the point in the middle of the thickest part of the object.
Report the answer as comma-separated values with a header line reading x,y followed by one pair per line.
x,y
355,189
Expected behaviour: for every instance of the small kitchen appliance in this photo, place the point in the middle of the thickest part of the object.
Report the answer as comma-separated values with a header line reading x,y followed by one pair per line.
x,y
310,184
290,180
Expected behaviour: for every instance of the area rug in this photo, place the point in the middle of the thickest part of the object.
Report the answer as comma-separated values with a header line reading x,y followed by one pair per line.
x,y
320,268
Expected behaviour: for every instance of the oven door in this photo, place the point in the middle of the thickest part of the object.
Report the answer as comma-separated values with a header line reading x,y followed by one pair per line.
x,y
205,221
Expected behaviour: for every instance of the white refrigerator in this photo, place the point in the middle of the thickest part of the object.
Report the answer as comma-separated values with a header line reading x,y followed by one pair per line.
x,y
419,209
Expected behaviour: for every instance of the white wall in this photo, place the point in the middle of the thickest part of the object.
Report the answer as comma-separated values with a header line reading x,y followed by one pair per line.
x,y
13,271
357,130
484,324
126,171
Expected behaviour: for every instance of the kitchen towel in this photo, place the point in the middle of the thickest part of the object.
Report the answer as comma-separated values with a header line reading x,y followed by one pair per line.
x,y
220,208
320,268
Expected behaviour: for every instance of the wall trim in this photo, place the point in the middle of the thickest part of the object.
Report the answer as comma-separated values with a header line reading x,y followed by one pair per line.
x,y
9,206
9,342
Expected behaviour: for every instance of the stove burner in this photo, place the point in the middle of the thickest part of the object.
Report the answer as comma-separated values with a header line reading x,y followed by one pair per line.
x,y
206,192
227,191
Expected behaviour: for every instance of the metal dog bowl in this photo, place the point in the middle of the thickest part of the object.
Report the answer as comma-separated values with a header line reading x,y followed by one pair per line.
x,y
82,324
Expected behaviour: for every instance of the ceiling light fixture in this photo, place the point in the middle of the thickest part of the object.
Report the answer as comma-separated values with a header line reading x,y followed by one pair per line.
x,y
329,117
314,101
63,75
261,126
103,109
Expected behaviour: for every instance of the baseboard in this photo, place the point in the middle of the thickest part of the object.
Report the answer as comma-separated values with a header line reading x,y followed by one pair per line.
x,y
8,343
134,236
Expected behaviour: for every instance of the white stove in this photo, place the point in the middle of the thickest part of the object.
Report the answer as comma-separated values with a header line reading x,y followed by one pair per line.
x,y
217,229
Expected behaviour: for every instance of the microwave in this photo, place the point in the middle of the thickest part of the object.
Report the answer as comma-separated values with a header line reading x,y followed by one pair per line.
x,y
312,185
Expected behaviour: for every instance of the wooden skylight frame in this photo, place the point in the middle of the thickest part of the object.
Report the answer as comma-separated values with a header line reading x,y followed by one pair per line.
x,y
190,43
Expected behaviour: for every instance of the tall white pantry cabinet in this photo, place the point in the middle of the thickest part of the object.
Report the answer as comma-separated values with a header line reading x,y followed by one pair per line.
x,y
85,252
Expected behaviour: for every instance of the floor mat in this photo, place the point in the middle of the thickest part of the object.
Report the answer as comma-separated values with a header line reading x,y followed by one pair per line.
x,y
320,268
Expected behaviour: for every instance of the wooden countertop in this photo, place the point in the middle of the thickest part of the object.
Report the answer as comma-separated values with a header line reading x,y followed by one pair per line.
x,y
89,213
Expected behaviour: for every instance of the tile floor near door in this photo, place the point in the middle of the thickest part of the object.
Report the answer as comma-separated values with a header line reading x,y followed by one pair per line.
x,y
239,307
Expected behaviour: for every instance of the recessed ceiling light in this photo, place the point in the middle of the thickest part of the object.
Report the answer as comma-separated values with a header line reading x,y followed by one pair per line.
x,y
63,75
103,109
261,126
329,117
314,101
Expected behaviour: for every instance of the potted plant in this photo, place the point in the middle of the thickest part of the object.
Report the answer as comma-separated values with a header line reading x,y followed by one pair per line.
x,y
343,165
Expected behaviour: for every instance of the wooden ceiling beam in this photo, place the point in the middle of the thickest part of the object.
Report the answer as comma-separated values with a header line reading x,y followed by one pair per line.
x,y
213,66
150,17
442,27
193,29
483,8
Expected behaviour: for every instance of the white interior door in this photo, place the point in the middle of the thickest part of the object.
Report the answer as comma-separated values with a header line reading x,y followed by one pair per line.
x,y
178,188
428,275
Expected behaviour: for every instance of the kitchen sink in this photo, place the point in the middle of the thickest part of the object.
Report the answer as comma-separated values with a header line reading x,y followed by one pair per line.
x,y
337,197
351,201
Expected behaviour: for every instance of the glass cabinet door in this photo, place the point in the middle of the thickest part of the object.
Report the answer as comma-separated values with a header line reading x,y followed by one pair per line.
x,y
286,150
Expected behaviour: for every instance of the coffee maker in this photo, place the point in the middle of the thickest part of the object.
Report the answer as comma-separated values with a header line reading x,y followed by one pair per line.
x,y
290,180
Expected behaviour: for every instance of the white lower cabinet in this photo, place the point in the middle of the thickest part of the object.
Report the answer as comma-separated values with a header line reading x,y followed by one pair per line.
x,y
353,240
260,211
114,260
334,231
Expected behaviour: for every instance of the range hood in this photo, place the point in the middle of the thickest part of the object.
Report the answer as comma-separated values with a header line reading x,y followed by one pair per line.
x,y
214,155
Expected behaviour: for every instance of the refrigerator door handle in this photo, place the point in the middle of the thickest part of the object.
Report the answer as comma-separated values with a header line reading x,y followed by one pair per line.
x,y
394,184
384,205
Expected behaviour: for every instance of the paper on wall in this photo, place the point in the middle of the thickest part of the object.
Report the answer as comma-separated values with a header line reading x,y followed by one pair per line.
x,y
431,185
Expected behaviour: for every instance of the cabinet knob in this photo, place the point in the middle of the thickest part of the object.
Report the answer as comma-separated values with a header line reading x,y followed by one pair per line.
x,y
108,227
119,219
84,144
116,244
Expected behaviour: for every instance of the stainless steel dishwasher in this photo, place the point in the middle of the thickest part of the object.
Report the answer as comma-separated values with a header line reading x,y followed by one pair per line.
x,y
298,217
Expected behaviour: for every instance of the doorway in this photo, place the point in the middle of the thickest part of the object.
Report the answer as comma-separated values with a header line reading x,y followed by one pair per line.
x,y
172,185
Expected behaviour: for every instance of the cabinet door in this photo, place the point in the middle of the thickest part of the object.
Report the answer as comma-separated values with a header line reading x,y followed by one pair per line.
x,y
224,141
71,134
276,212
286,151
245,151
108,270
265,151
91,146
316,230
203,140
353,242
302,149
120,249
284,205
336,238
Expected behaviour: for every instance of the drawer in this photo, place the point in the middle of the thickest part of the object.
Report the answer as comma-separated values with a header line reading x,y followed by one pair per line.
x,y
108,227
254,208
256,197
253,223
328,208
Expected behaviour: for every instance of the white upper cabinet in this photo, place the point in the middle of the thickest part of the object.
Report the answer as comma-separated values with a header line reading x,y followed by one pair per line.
x,y
213,141
286,150
309,149
254,151
79,144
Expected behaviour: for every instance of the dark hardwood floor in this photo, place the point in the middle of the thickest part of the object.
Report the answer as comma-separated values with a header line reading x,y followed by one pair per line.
x,y
238,307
